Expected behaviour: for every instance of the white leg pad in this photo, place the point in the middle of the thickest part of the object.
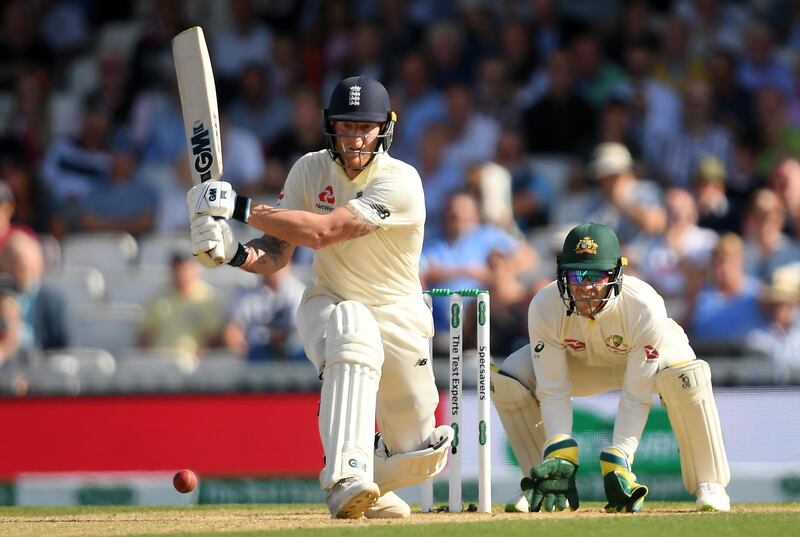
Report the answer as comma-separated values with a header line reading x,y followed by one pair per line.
x,y
686,392
522,419
352,372
414,467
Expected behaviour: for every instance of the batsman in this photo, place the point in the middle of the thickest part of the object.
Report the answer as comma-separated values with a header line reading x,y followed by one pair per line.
x,y
363,321
593,330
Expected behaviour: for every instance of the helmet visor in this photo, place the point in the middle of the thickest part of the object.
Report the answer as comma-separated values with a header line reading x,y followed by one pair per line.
x,y
592,275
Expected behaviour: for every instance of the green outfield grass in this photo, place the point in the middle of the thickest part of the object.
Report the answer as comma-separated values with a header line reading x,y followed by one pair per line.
x,y
660,518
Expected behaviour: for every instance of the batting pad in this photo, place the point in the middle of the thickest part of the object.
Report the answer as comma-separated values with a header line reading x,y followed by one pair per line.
x,y
686,392
414,467
353,361
522,420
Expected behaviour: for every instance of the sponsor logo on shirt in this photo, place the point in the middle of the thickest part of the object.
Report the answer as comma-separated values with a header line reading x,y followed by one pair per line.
x,y
651,353
575,344
615,343
382,212
326,197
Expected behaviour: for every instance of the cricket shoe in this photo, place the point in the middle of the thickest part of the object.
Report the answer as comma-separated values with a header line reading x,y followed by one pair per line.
x,y
712,497
518,504
390,505
350,497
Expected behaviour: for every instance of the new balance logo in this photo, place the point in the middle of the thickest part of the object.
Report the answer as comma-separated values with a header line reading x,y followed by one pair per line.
x,y
382,212
421,362
355,96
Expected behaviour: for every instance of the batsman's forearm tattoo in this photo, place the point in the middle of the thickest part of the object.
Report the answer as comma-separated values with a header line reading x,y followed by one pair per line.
x,y
363,226
270,247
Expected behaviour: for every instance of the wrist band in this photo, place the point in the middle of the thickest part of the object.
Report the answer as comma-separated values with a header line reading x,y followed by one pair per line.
x,y
239,257
241,209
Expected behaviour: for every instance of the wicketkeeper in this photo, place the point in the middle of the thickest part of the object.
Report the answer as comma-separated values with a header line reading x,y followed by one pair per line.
x,y
363,322
594,330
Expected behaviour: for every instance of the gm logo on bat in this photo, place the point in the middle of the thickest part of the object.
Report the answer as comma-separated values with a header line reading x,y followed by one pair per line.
x,y
201,143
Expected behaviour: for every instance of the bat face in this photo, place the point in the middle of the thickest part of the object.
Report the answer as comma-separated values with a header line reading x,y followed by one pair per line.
x,y
199,103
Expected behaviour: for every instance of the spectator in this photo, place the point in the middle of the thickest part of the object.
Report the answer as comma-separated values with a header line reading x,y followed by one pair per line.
x,y
732,104
532,195
441,175
561,121
247,41
259,109
616,125
778,139
634,26
43,308
490,184
716,209
473,135
597,79
781,339
677,261
300,137
517,51
726,309
8,228
122,202
676,66
680,153
72,166
185,319
13,358
418,105
262,322
460,260
785,182
767,247
245,166
713,24
21,47
760,67
29,120
655,107
151,67
621,201
495,92
449,65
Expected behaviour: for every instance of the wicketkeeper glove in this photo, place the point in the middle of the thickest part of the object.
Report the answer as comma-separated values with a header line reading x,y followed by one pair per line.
x,y
218,199
552,482
624,494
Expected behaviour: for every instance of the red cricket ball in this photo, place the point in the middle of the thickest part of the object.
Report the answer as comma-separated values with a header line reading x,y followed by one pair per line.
x,y
184,481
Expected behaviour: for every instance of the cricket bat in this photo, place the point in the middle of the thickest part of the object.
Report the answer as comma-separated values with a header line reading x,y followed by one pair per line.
x,y
200,114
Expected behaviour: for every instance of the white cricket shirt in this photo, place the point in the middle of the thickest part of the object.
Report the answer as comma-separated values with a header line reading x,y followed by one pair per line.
x,y
383,266
632,331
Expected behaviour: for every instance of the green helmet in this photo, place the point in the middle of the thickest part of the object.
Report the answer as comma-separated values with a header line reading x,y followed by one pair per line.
x,y
591,247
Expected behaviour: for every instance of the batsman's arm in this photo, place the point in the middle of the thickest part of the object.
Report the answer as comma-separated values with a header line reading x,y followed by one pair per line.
x,y
309,229
264,255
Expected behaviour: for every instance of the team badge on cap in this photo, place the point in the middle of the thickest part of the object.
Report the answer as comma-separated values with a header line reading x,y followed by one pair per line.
x,y
586,246
355,96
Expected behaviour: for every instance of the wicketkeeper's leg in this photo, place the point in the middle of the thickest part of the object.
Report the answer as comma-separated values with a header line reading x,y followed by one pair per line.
x,y
686,391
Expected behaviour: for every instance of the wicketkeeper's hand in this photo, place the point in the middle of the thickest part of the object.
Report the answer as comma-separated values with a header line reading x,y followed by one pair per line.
x,y
552,482
217,198
624,494
207,234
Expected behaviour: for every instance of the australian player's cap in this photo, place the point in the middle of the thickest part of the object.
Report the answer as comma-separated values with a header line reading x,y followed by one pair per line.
x,y
590,246
359,98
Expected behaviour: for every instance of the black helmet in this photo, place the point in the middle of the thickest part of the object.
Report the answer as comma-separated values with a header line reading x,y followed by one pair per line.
x,y
591,247
360,98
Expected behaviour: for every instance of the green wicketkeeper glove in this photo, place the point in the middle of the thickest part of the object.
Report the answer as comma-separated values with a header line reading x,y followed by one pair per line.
x,y
624,494
552,482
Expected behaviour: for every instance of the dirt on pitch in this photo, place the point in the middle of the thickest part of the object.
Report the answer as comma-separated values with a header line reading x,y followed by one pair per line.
x,y
190,520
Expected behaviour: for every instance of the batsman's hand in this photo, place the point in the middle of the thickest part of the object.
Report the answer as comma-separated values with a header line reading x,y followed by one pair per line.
x,y
624,494
218,199
551,485
213,242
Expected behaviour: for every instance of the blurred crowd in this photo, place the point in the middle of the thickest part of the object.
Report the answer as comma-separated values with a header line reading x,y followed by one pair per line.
x,y
675,122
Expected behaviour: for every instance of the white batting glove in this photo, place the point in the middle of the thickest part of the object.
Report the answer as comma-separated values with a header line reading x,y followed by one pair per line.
x,y
217,198
208,234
